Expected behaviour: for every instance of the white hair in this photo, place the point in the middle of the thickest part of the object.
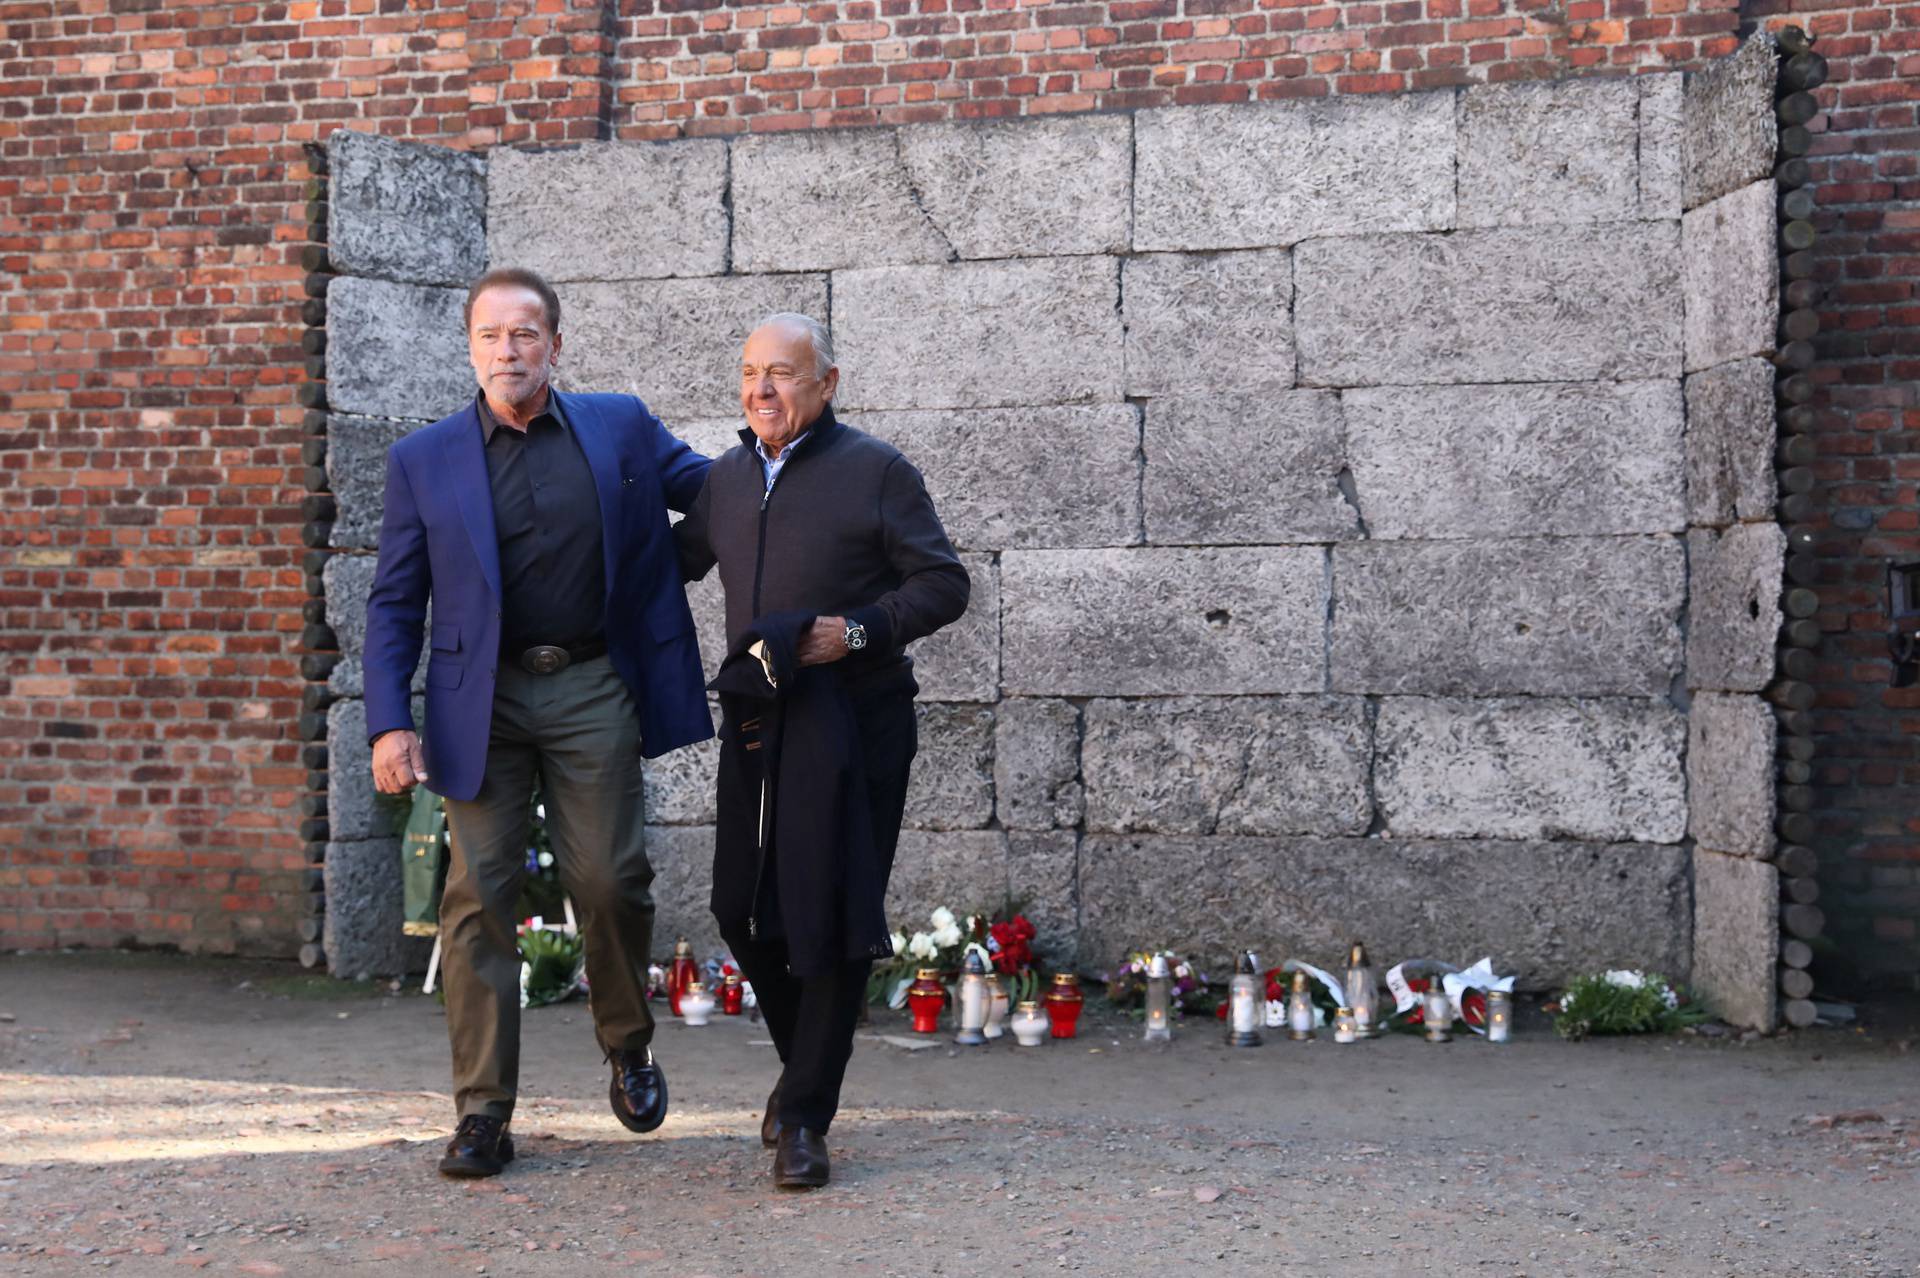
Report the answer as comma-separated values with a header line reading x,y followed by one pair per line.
x,y
818,335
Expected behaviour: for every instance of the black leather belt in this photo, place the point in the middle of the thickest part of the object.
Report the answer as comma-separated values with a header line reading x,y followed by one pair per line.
x,y
546,658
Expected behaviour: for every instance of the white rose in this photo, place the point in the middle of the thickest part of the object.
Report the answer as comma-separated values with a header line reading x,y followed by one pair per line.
x,y
921,946
899,940
943,919
1626,980
947,935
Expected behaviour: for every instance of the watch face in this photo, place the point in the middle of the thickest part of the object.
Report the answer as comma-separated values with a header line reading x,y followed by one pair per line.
x,y
856,637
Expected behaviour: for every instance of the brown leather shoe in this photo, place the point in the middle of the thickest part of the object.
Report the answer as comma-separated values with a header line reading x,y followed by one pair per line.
x,y
480,1147
770,1121
800,1159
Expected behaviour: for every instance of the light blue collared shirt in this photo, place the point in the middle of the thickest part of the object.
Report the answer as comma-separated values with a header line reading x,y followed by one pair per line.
x,y
770,466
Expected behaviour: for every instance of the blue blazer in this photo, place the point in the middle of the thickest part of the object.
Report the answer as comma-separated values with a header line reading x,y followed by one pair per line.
x,y
437,541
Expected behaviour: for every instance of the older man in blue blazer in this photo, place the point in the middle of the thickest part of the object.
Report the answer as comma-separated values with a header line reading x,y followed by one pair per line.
x,y
562,649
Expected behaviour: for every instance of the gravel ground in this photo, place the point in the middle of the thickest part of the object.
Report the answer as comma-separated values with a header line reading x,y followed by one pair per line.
x,y
161,1114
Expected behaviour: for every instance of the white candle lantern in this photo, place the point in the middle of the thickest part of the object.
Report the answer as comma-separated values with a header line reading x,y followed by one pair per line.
x,y
1345,1028
1363,993
973,1001
1159,1001
1243,1004
1437,1013
1300,1009
1499,1016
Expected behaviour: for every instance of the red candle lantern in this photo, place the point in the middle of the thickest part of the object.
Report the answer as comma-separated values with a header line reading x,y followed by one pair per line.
x,y
733,995
1064,1002
925,998
683,973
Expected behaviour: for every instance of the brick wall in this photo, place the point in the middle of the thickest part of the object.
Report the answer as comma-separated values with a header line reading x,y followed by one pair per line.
x,y
150,174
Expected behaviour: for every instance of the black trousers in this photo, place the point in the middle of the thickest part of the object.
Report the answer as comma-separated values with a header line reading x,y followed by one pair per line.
x,y
812,1020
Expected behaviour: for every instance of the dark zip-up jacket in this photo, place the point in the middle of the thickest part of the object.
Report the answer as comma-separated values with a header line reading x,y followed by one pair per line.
x,y
848,530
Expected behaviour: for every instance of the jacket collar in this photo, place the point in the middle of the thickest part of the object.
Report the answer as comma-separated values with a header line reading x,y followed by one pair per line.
x,y
814,438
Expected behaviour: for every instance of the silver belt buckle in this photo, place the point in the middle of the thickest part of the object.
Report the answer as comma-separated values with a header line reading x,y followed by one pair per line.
x,y
544,659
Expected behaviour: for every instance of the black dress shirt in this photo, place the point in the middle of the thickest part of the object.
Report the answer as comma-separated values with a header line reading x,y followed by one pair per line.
x,y
546,515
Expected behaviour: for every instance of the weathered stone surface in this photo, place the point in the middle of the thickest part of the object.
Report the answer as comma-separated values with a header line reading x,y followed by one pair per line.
x,y
964,870
708,602
1553,152
1043,878
1531,768
1152,621
674,343
1028,477
1731,135
1736,941
1663,143
1730,774
1731,276
962,662
396,350
1566,458
951,787
355,810
361,934
1733,615
357,474
1228,765
816,201
348,578
610,211
1209,323
404,210
1564,617
682,860
1247,469
1257,176
1502,305
708,436
680,783
1036,764
1549,911
1730,444
979,334
997,189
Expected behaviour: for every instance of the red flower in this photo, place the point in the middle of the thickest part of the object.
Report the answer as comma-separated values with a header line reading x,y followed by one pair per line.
x,y
1009,946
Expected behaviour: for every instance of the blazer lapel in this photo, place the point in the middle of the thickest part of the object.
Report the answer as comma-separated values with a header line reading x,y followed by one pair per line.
x,y
466,460
590,429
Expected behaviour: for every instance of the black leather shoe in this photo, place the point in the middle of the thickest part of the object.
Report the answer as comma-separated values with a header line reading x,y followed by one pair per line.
x,y
770,1121
480,1147
638,1090
800,1159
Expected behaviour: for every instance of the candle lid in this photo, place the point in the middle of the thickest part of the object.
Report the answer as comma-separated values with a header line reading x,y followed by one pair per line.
x,y
927,974
696,987
1300,982
1065,978
1345,1011
1357,956
1159,966
683,948
733,978
1028,1005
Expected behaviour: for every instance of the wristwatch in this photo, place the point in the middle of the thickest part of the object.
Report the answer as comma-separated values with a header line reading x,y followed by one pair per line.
x,y
856,636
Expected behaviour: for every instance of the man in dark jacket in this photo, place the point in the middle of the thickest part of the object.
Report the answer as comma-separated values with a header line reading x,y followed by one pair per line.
x,y
831,556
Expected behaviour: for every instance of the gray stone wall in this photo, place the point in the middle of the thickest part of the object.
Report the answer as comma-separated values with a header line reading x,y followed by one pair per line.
x,y
1346,564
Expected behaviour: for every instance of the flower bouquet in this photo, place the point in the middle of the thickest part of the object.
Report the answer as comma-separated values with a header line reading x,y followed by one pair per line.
x,y
942,947
1010,953
1624,1002
552,963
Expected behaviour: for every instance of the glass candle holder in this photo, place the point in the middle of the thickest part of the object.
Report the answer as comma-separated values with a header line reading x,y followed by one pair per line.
x,y
1243,1005
1437,1013
696,1004
996,1007
1029,1024
973,1002
1499,1016
733,995
1064,1002
1363,993
926,997
1345,1028
1300,1009
1159,1001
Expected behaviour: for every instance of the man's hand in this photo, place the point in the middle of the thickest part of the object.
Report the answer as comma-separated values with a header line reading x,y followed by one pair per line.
x,y
398,764
825,640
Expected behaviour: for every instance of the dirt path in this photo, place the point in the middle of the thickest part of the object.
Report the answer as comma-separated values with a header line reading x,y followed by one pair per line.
x,y
161,1115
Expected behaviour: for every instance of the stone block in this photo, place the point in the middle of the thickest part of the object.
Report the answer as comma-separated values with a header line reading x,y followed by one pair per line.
x,y
1559,909
610,211
1731,276
951,787
1209,323
979,334
817,201
682,860
396,350
996,189
1663,143
1566,617
405,210
674,343
1506,304
962,662
1555,152
1043,876
964,870
357,474
348,579
1730,774
708,602
709,436
1247,470
1027,477
1257,176
1730,444
355,810
1036,764
361,934
1731,134
1733,613
1531,768
1736,938
1153,622
1228,765
1554,458
680,783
